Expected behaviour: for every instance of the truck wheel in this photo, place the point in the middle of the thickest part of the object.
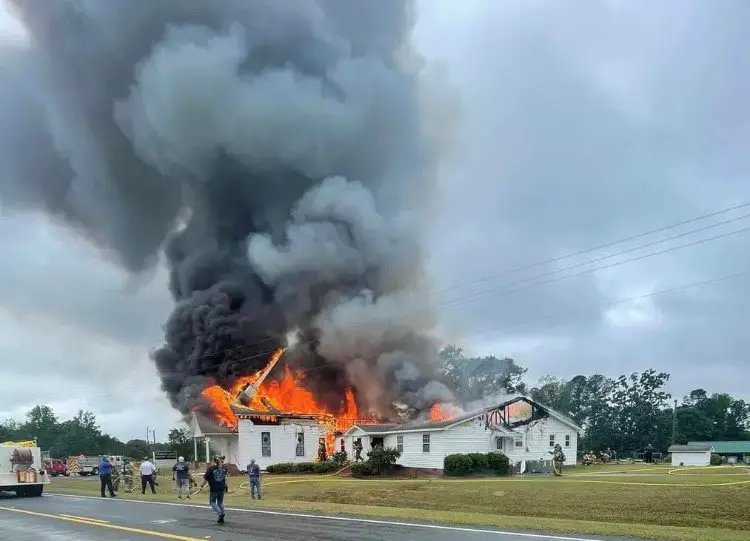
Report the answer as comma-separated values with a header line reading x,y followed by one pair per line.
x,y
33,491
95,471
67,473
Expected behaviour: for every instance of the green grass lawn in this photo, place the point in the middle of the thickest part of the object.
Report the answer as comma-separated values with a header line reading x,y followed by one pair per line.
x,y
612,500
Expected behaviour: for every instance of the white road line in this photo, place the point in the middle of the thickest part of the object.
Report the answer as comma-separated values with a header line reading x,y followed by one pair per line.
x,y
345,519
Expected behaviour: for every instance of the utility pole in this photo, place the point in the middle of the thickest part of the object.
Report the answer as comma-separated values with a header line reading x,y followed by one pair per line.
x,y
674,422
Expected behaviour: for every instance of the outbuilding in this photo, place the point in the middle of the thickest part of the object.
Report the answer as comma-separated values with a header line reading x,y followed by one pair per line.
x,y
731,451
691,454
521,428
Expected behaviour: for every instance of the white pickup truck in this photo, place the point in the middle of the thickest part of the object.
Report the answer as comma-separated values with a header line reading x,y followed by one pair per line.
x,y
21,469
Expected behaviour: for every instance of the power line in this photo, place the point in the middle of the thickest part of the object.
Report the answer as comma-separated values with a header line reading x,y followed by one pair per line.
x,y
468,298
602,246
565,313
626,299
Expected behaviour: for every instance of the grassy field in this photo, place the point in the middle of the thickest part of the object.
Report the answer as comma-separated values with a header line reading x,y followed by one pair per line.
x,y
607,500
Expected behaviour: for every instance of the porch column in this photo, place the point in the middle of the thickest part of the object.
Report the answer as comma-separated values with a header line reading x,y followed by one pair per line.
x,y
208,457
195,448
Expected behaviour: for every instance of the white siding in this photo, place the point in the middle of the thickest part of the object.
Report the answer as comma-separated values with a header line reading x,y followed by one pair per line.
x,y
536,441
352,437
227,446
691,459
283,442
413,455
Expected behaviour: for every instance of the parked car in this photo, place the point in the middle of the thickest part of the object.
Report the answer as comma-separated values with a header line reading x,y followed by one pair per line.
x,y
57,467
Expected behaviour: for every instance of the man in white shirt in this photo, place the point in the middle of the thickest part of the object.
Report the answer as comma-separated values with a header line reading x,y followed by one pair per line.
x,y
147,475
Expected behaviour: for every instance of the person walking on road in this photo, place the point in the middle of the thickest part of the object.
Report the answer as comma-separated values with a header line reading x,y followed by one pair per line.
x,y
105,477
147,475
216,479
181,475
253,471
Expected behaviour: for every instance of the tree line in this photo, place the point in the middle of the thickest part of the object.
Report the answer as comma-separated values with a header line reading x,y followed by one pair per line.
x,y
625,413
83,435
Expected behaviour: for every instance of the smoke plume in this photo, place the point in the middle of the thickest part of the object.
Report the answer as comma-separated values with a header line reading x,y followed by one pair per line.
x,y
275,151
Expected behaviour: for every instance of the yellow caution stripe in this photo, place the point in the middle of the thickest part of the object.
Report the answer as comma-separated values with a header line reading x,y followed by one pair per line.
x,y
101,524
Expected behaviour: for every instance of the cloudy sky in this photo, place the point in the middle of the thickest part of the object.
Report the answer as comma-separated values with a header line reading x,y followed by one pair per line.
x,y
578,127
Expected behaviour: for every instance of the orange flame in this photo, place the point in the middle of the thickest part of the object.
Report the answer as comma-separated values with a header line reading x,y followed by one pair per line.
x,y
286,395
443,412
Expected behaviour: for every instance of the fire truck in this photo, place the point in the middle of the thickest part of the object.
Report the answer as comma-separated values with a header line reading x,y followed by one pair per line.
x,y
21,468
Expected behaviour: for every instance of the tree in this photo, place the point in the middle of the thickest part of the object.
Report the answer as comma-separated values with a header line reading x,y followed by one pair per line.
x,y
180,442
709,418
137,449
474,378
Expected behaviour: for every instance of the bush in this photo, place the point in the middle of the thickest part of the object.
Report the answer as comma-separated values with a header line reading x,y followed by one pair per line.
x,y
326,467
361,469
457,465
716,459
303,467
499,463
340,457
381,459
283,467
466,464
478,461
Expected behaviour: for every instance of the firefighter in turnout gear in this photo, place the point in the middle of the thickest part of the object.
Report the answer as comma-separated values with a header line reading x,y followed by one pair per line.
x,y
322,451
358,450
558,459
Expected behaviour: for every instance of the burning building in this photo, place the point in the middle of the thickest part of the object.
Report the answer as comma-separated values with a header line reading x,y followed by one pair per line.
x,y
280,156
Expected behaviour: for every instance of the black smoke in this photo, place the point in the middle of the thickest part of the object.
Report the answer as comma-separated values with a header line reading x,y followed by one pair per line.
x,y
275,151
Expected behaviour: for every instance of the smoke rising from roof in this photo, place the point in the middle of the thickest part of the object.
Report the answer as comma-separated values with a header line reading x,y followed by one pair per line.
x,y
276,151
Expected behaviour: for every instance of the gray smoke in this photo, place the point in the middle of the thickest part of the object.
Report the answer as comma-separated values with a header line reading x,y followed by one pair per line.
x,y
275,150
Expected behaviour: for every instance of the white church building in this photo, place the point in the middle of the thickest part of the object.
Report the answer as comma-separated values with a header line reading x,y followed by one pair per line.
x,y
269,438
522,429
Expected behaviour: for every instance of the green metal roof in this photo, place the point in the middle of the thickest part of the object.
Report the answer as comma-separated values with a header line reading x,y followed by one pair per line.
x,y
727,447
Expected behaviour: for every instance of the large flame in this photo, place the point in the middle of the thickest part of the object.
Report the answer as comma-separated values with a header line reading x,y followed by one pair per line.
x,y
443,412
286,395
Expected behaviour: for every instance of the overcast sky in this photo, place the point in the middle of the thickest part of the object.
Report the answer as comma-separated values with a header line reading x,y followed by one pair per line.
x,y
577,127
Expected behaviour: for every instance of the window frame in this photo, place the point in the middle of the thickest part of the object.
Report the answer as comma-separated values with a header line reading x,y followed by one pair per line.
x,y
400,443
265,450
426,443
552,440
568,439
300,448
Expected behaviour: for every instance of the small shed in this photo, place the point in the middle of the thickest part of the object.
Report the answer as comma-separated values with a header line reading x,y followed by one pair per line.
x,y
691,455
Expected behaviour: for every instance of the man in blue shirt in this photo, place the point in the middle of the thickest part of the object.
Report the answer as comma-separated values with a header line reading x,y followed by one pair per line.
x,y
253,470
216,479
105,476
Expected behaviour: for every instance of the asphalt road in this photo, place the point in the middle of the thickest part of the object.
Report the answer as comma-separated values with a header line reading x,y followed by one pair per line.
x,y
62,518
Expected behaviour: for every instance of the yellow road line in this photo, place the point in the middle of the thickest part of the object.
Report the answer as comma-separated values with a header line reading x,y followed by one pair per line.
x,y
84,518
94,522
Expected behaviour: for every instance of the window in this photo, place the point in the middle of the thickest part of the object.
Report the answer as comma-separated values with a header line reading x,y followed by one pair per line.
x,y
499,443
265,444
400,444
300,444
425,443
551,440
567,440
519,443
343,446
